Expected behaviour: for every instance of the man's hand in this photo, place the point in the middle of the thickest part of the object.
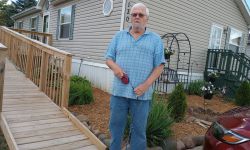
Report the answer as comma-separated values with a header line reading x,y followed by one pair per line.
x,y
115,68
141,89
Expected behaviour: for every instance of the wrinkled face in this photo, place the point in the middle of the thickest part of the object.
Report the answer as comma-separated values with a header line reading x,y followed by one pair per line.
x,y
139,18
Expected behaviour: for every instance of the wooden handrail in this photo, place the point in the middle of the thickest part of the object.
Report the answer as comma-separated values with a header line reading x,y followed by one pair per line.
x,y
3,54
39,36
48,67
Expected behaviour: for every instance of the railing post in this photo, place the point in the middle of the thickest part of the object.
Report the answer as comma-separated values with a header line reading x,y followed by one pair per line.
x,y
3,54
43,71
66,81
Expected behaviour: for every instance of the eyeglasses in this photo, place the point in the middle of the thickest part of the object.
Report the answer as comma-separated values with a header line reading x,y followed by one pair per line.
x,y
139,14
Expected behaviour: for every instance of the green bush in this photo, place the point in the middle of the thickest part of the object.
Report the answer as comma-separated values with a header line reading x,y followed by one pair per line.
x,y
194,88
159,123
80,91
242,97
177,103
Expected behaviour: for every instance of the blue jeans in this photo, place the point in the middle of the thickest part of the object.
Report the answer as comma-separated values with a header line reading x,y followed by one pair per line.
x,y
139,109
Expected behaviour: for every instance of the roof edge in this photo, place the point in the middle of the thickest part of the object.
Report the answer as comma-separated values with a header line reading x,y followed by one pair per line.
x,y
244,10
26,12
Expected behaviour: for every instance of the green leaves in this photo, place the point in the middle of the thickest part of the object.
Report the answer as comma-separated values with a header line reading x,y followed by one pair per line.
x,y
242,97
159,123
80,91
177,102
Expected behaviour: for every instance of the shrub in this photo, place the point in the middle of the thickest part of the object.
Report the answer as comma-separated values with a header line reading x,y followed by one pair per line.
x,y
242,97
177,103
194,88
159,123
80,91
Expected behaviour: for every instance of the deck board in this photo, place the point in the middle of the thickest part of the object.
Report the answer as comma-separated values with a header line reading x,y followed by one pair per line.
x,y
33,121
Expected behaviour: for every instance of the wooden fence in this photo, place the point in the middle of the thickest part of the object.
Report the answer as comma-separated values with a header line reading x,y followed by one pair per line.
x,y
39,36
49,68
3,54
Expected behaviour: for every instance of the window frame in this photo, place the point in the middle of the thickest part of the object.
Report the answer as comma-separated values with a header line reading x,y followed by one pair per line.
x,y
60,24
34,25
18,24
106,14
214,25
229,42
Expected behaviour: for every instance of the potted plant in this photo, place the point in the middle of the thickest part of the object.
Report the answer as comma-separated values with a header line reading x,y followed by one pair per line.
x,y
168,52
208,90
212,76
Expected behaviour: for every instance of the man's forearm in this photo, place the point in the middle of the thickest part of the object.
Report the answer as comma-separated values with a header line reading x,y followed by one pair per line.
x,y
154,75
115,68
142,88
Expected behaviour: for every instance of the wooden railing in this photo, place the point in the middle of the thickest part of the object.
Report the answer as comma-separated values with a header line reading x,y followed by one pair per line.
x,y
3,54
49,68
39,36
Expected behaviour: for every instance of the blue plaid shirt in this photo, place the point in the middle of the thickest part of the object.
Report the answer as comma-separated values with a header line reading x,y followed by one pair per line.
x,y
137,58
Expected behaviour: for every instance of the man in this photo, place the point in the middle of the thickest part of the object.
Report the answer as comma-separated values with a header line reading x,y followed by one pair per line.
x,y
135,53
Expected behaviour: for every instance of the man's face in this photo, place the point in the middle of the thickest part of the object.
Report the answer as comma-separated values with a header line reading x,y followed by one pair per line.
x,y
139,18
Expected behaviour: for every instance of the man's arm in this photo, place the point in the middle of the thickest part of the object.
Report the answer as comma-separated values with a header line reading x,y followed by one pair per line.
x,y
142,88
115,68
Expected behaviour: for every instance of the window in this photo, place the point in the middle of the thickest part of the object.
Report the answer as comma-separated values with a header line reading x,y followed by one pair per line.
x,y
20,25
33,24
235,40
235,37
107,7
65,22
46,5
215,37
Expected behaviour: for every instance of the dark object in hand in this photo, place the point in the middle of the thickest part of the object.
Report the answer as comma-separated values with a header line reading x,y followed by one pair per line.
x,y
125,79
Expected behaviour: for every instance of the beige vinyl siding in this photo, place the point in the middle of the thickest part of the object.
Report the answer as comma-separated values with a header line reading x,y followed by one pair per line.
x,y
195,18
26,22
92,30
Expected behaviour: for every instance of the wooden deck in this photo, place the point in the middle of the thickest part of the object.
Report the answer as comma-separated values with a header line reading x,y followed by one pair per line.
x,y
31,121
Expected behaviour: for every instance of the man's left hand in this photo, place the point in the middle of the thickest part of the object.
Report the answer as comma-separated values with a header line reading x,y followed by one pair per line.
x,y
141,89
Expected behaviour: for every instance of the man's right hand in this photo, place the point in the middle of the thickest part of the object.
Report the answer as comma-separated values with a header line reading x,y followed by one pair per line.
x,y
115,68
118,71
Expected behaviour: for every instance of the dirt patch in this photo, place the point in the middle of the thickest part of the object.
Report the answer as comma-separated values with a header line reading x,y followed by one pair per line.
x,y
98,113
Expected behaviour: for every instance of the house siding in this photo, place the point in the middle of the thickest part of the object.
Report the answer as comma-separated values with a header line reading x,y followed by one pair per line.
x,y
92,30
26,21
194,18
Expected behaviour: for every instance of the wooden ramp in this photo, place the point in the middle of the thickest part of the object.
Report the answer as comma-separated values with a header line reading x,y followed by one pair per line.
x,y
31,121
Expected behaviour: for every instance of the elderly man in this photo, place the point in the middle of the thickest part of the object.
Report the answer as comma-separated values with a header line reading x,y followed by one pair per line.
x,y
136,57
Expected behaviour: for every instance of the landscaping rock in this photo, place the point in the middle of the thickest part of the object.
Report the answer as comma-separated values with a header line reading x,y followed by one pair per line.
x,y
198,140
107,142
154,148
102,137
169,144
188,142
83,118
96,132
197,148
190,119
180,145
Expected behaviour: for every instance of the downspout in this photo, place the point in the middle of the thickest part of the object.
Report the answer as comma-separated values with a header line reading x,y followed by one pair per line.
x,y
123,14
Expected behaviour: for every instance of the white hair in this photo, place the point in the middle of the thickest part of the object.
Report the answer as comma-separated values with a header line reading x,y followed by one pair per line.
x,y
140,5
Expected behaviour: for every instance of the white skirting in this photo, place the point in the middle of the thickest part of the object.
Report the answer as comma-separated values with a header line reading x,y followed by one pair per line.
x,y
102,77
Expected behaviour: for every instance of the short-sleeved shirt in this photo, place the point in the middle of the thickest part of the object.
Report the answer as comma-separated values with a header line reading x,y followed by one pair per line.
x,y
137,58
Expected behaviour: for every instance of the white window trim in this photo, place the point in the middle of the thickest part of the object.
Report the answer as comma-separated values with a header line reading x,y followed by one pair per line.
x,y
111,8
46,14
31,23
59,33
18,23
232,28
218,26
